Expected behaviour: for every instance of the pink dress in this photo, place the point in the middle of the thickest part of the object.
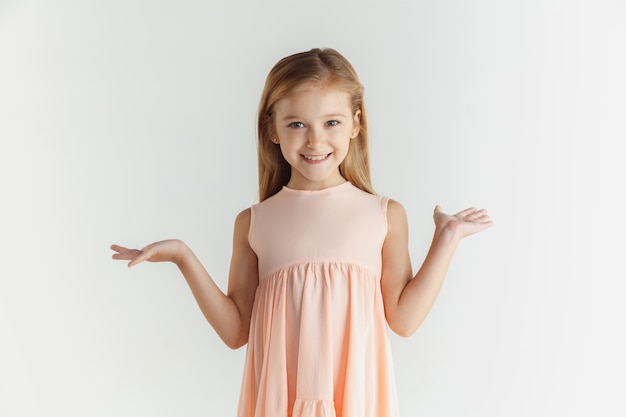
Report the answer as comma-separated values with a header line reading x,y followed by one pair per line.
x,y
318,344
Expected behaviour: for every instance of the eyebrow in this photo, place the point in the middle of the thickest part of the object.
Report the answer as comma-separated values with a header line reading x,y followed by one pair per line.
x,y
326,116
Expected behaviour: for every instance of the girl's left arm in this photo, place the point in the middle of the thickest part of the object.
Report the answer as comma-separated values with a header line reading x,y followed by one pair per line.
x,y
408,299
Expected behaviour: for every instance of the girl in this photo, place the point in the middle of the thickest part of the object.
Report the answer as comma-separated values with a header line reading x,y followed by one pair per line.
x,y
321,265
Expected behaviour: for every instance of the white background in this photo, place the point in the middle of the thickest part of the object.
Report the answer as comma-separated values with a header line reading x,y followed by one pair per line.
x,y
133,121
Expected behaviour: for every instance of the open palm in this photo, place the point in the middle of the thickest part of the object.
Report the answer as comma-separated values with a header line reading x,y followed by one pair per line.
x,y
463,223
163,251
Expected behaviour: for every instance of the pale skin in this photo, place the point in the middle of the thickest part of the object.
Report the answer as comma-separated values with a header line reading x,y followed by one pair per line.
x,y
407,298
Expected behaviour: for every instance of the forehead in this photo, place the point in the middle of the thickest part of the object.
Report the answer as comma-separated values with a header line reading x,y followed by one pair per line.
x,y
312,98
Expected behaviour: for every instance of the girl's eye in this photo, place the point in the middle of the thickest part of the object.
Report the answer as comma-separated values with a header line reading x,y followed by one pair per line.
x,y
296,124
332,123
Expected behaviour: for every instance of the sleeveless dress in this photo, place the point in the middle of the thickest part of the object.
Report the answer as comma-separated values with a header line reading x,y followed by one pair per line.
x,y
318,343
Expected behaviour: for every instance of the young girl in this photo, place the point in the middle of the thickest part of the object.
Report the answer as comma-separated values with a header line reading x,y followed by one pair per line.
x,y
320,266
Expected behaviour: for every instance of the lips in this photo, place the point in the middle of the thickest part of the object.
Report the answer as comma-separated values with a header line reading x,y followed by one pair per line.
x,y
316,158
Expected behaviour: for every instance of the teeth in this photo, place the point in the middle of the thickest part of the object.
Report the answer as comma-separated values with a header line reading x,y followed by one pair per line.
x,y
315,158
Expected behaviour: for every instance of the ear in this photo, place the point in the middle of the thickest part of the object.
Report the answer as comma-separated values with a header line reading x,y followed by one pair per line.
x,y
357,124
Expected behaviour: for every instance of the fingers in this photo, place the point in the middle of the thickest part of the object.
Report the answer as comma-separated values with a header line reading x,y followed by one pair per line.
x,y
471,214
465,213
133,255
476,215
481,220
142,256
483,225
117,248
476,222
481,217
155,252
122,252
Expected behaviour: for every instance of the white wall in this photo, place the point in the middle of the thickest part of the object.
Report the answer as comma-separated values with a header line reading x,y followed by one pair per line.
x,y
132,121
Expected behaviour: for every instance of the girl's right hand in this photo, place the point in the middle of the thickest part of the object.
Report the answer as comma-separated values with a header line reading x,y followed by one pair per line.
x,y
163,251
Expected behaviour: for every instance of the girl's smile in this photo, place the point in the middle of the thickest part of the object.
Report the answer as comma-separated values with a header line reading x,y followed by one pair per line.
x,y
316,159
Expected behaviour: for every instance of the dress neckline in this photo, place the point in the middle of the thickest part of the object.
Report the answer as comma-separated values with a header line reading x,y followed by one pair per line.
x,y
313,192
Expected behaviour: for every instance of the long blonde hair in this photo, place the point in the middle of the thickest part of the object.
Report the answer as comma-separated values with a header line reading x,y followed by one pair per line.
x,y
325,67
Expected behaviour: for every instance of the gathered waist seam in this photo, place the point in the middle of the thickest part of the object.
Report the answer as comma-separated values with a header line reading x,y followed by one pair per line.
x,y
342,263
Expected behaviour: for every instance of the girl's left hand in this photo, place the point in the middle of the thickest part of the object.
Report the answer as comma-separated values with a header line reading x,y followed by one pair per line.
x,y
462,224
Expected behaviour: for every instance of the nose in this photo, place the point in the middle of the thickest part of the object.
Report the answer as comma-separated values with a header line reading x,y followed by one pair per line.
x,y
315,137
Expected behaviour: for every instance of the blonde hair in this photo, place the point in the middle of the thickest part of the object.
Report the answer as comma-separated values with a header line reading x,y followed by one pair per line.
x,y
320,67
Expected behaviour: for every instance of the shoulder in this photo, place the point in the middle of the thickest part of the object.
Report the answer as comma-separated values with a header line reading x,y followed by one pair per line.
x,y
396,216
244,215
394,208
242,221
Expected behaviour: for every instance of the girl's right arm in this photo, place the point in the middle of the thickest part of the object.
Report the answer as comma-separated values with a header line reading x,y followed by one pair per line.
x,y
229,314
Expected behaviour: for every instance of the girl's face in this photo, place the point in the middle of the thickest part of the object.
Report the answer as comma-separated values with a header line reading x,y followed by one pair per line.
x,y
314,127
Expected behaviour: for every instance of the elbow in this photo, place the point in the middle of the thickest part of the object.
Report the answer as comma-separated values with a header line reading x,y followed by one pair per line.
x,y
404,331
403,327
235,346
235,342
